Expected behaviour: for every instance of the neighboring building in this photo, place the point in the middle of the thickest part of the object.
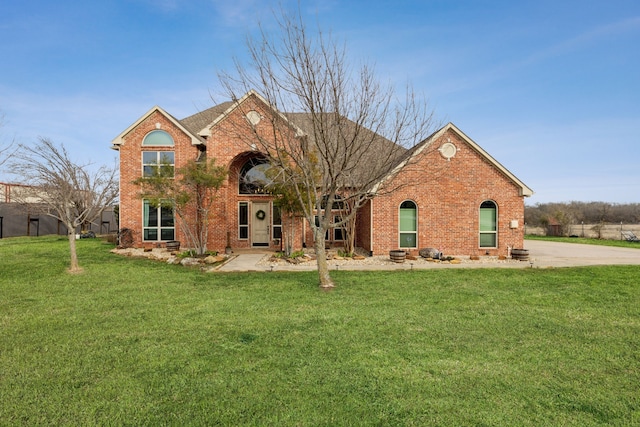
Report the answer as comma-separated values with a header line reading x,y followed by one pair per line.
x,y
21,214
452,195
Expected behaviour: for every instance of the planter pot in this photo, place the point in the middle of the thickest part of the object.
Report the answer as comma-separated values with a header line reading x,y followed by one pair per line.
x,y
520,254
397,256
173,245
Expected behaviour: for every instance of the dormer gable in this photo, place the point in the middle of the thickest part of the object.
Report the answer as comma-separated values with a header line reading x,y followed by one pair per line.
x,y
238,104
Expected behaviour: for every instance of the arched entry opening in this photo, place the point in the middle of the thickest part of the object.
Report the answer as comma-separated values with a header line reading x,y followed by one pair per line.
x,y
259,225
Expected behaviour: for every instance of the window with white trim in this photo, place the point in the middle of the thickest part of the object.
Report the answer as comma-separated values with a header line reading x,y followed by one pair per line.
x,y
338,232
408,222
488,224
157,223
158,138
158,163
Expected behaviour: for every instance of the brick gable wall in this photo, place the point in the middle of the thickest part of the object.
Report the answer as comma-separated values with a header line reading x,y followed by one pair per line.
x,y
131,167
448,194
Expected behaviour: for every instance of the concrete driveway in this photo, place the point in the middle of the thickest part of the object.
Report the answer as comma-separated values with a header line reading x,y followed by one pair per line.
x,y
555,254
543,254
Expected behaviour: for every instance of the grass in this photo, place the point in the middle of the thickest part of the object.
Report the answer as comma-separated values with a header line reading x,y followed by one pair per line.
x,y
586,241
136,342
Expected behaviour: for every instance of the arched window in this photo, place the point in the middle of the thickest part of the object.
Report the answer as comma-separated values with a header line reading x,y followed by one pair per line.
x,y
408,225
253,176
488,224
158,138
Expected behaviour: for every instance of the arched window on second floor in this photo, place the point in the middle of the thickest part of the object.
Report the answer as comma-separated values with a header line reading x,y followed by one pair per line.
x,y
158,138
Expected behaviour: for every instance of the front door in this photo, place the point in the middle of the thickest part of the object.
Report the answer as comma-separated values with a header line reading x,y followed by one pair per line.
x,y
260,221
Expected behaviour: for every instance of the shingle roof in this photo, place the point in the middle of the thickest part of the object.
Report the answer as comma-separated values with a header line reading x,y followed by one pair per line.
x,y
380,149
199,121
376,152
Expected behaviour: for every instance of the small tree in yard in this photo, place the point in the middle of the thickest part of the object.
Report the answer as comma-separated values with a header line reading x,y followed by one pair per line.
x,y
349,228
286,199
352,133
64,190
190,193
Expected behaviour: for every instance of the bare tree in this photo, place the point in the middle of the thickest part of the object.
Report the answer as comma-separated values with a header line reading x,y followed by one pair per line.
x,y
62,189
6,149
352,131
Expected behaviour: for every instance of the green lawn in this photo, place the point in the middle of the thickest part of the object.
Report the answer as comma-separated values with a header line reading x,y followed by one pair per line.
x,y
136,342
587,241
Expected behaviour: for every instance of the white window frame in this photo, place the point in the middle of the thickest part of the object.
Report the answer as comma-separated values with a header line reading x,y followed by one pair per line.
x,y
158,227
414,232
146,140
491,232
158,161
341,230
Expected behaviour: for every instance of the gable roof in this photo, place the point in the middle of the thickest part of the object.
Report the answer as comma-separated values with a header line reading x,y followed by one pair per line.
x,y
119,140
199,121
198,127
411,154
221,111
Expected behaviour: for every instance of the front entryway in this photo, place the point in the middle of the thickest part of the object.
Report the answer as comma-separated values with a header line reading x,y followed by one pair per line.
x,y
260,222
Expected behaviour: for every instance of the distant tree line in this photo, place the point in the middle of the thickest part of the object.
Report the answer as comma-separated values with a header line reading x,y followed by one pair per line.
x,y
566,214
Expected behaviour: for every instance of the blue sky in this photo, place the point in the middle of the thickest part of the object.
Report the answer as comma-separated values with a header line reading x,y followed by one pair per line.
x,y
549,88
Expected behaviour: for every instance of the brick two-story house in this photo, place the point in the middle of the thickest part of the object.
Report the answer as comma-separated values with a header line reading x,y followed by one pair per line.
x,y
451,194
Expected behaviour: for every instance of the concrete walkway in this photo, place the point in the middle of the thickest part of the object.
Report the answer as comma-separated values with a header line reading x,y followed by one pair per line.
x,y
244,262
542,254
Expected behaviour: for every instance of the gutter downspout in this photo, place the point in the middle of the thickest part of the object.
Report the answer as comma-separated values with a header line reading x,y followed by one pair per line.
x,y
371,227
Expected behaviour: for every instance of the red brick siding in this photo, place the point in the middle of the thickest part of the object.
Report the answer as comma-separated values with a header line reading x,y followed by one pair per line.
x,y
131,168
448,194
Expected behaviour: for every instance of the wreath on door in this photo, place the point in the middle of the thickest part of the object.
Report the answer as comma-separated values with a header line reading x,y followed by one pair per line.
x,y
260,215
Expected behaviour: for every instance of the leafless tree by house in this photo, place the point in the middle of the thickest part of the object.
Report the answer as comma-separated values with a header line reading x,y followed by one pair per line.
x,y
74,194
350,130
6,148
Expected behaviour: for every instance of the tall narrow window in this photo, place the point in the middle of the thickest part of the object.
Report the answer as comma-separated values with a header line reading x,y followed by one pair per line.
x,y
488,225
277,222
157,223
338,232
408,225
243,220
158,162
326,234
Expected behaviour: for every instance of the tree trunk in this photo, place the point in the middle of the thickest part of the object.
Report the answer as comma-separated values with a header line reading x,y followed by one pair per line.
x,y
75,267
321,259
